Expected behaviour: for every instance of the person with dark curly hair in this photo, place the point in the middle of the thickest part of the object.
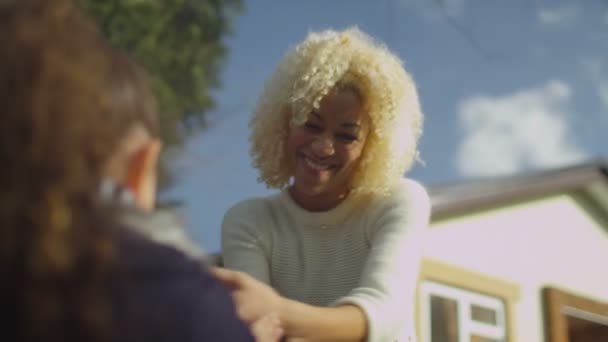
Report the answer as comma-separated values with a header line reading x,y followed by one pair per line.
x,y
78,148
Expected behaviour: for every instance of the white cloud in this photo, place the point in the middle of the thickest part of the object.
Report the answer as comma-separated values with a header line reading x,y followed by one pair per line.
x,y
507,134
565,15
602,89
598,72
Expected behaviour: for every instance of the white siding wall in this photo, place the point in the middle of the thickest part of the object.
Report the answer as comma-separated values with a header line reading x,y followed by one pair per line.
x,y
547,242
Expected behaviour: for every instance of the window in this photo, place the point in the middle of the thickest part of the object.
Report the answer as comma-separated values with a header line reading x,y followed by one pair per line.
x,y
457,315
459,305
572,318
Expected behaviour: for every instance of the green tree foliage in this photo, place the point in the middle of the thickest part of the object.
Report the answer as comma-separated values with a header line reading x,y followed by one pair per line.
x,y
180,44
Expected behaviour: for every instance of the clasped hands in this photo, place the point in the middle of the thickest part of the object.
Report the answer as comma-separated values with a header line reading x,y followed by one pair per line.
x,y
256,303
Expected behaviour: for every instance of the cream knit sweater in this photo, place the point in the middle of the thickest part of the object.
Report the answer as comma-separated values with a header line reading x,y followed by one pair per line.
x,y
365,252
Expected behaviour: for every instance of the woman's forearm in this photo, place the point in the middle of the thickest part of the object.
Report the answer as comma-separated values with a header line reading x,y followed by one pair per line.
x,y
300,321
303,322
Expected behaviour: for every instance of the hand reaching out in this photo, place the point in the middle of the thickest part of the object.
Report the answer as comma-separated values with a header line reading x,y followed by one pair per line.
x,y
267,329
257,304
253,298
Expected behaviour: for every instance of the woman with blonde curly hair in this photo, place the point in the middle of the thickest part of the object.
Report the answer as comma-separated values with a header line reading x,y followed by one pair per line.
x,y
335,254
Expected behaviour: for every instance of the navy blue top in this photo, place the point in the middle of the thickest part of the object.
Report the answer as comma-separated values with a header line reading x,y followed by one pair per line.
x,y
159,294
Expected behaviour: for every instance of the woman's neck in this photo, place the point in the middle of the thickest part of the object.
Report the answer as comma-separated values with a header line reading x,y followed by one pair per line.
x,y
318,202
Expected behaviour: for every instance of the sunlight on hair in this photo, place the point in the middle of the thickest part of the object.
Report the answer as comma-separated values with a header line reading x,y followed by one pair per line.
x,y
310,71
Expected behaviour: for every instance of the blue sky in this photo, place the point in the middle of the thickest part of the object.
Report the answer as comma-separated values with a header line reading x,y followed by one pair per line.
x,y
506,87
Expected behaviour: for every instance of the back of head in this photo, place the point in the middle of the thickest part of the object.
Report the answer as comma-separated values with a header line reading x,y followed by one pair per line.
x,y
67,99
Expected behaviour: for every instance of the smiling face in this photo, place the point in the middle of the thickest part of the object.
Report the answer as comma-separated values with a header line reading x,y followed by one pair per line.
x,y
324,152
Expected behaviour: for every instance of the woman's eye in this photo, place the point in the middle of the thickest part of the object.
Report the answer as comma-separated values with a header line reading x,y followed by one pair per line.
x,y
312,127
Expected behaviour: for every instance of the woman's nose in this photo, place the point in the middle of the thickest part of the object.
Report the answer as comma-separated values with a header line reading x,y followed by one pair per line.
x,y
323,147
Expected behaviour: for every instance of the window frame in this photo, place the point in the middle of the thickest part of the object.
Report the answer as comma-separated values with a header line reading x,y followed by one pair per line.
x,y
559,304
464,299
433,271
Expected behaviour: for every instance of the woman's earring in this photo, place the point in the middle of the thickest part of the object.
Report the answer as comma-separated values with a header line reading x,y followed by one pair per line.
x,y
126,197
110,191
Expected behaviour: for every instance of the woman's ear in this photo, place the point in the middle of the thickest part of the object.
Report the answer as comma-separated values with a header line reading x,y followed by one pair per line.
x,y
141,174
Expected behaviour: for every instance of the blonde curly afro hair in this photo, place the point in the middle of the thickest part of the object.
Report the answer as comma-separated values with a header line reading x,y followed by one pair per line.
x,y
308,72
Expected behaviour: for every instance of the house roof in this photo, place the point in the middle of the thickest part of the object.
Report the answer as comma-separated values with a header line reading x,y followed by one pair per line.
x,y
451,199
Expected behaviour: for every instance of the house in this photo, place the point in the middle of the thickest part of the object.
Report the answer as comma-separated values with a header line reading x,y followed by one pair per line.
x,y
520,258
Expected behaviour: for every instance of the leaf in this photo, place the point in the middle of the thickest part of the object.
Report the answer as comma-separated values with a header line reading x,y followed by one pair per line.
x,y
181,45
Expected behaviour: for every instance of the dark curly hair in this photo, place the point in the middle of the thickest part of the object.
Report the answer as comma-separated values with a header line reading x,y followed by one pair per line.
x,y
66,100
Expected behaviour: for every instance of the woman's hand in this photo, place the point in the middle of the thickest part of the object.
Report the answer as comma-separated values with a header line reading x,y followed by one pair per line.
x,y
267,329
253,299
299,321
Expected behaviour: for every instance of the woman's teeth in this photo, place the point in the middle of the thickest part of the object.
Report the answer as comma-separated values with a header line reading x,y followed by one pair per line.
x,y
316,166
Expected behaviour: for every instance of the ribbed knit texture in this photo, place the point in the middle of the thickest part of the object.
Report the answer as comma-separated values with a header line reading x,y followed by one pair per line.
x,y
365,252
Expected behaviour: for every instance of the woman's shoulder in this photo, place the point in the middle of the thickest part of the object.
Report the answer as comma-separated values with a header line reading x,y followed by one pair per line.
x,y
138,254
407,206
412,189
253,207
150,276
407,192
406,197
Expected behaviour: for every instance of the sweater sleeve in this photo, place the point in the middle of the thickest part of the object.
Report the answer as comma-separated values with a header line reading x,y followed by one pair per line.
x,y
387,288
245,247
